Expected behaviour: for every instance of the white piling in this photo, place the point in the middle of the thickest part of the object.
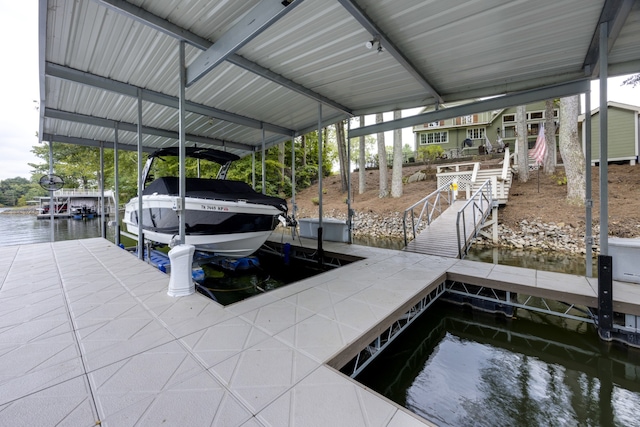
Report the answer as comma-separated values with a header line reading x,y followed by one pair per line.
x,y
180,282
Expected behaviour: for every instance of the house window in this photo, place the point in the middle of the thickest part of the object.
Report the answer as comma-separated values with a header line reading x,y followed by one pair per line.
x,y
467,120
434,124
508,118
509,131
535,115
475,133
434,138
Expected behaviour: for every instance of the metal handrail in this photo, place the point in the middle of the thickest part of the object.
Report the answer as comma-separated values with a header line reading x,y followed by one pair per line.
x,y
481,202
425,203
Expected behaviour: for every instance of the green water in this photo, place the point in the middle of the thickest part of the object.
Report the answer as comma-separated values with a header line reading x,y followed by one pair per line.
x,y
464,368
549,261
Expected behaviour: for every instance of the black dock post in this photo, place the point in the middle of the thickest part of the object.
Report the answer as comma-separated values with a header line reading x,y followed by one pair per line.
x,y
605,297
320,250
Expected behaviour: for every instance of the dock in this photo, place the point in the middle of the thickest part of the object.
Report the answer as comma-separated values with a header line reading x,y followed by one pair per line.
x,y
441,236
89,337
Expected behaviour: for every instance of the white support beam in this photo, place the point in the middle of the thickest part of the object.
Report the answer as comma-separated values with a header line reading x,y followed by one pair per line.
x,y
258,19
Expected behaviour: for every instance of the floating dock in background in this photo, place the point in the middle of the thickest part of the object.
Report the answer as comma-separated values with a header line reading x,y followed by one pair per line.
x,y
89,329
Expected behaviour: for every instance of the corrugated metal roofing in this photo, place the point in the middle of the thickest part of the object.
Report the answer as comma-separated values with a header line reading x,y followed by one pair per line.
x,y
463,48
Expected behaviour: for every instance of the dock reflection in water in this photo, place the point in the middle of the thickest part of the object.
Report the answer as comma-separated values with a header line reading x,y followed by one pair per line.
x,y
458,368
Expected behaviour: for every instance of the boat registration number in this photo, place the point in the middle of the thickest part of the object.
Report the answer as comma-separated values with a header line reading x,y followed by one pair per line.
x,y
214,208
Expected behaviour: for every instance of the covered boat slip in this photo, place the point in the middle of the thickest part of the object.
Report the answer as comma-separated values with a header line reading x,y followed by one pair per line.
x,y
89,335
143,75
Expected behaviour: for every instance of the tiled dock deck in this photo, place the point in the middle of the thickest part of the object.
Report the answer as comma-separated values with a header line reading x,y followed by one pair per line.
x,y
88,335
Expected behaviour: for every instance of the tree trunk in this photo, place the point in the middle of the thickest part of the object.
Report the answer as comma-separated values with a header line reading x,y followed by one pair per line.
x,y
303,146
382,161
550,138
396,174
281,149
571,150
362,173
522,144
342,155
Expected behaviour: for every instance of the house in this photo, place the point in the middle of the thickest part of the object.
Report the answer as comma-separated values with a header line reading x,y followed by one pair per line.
x,y
450,134
623,133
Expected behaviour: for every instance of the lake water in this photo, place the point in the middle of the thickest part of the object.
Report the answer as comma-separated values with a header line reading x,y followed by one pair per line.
x,y
22,229
465,368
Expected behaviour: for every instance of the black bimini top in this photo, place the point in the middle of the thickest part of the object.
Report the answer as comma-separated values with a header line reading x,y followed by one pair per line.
x,y
220,157
217,189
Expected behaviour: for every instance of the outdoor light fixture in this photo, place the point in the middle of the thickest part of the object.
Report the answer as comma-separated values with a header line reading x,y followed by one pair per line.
x,y
371,43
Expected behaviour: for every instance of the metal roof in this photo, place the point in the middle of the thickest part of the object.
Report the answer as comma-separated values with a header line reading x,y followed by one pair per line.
x,y
257,65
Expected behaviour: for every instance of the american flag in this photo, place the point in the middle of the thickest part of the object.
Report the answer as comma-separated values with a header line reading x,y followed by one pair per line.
x,y
540,149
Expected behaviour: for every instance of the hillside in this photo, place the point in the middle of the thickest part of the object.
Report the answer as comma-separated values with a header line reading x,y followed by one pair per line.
x,y
540,200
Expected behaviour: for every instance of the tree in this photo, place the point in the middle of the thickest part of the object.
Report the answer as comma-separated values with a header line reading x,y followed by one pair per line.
x,y
396,174
382,162
632,81
341,143
522,144
303,143
362,177
16,191
571,150
550,138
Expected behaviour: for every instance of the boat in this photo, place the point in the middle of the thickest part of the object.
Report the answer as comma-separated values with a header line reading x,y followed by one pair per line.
x,y
83,212
222,216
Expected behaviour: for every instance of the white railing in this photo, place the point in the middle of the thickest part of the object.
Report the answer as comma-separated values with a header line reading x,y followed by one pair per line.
x,y
464,178
80,192
430,206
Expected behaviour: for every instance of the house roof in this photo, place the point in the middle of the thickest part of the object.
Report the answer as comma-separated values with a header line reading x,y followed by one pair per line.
x,y
614,104
262,67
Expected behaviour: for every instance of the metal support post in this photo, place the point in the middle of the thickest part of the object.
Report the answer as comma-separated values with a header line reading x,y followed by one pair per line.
x,y
320,173
349,210
293,176
51,201
140,245
103,223
605,262
116,184
182,227
588,238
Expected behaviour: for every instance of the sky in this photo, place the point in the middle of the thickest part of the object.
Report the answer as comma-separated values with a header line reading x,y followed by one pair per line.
x,y
19,87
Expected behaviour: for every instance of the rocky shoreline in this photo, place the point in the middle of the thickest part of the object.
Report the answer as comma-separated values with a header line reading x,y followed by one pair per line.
x,y
533,236
19,211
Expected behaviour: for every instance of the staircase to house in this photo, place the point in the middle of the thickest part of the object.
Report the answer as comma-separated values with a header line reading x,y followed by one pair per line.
x,y
470,177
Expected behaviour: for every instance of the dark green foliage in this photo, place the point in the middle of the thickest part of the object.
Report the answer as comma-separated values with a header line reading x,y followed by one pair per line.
x,y
16,191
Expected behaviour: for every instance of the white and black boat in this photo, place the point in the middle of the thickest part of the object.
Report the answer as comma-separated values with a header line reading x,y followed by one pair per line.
x,y
222,216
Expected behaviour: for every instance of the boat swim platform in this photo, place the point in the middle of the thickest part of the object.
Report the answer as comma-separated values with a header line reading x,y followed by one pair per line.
x,y
90,337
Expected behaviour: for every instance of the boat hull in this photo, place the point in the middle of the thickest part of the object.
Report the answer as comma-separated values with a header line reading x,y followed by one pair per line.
x,y
227,228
